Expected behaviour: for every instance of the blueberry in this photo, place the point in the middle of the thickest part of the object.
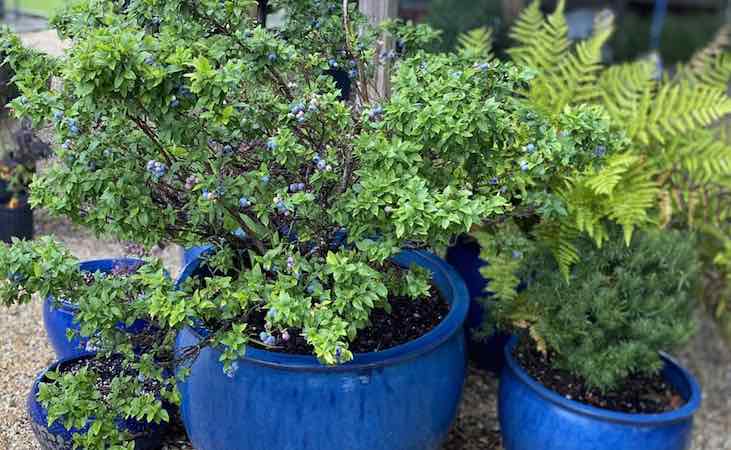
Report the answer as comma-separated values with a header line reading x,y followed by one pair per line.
x,y
300,186
301,117
263,336
57,116
150,60
494,181
600,151
316,158
315,24
228,149
190,182
272,313
333,63
524,166
73,127
352,73
240,233
232,369
310,289
244,202
375,112
157,169
338,354
271,341
530,148
321,164
483,66
174,103
265,179
517,254
272,144
456,74
272,57
66,144
353,63
290,263
297,108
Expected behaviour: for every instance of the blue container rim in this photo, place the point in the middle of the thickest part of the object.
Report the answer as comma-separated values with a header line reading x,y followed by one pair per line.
x,y
459,302
683,413
93,265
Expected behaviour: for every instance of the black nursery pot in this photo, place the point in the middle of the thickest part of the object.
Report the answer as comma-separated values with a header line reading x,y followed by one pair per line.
x,y
16,222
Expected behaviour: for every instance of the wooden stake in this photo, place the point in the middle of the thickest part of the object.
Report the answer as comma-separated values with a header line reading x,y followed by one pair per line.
x,y
378,11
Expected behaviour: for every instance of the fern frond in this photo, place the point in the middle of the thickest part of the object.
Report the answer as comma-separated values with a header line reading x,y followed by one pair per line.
x,y
616,167
709,66
528,24
559,236
702,155
540,48
476,44
626,91
633,199
683,108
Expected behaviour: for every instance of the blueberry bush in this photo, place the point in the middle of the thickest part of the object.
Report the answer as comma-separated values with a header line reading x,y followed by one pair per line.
x,y
190,122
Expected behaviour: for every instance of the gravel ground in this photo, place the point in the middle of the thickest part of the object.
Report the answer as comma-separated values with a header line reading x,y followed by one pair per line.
x,y
24,351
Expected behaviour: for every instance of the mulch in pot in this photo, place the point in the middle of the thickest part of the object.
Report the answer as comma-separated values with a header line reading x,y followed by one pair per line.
x,y
638,394
408,320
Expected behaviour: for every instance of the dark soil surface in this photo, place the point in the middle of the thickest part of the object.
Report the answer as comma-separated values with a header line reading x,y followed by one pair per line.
x,y
408,320
640,394
107,369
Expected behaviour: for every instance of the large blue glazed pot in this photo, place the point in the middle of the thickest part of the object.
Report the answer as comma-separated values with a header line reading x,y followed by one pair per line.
x,y
486,352
403,398
57,437
534,417
59,315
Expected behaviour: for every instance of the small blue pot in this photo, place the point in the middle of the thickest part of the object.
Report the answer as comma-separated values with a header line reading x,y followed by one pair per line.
x,y
60,315
534,417
403,398
57,437
487,352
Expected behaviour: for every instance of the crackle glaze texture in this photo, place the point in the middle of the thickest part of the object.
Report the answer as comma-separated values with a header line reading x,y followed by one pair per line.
x,y
534,417
404,398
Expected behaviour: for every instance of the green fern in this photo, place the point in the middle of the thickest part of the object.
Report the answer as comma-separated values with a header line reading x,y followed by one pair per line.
x,y
710,66
543,43
476,44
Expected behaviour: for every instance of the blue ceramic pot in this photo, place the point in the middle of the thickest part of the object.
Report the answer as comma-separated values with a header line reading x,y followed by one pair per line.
x,y
59,315
487,352
57,437
534,417
403,398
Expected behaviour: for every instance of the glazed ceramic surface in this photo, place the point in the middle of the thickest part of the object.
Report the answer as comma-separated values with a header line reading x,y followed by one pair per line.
x,y
403,398
533,417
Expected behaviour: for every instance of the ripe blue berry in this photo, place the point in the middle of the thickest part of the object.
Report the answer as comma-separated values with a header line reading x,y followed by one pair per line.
x,y
150,60
524,166
333,63
517,254
290,263
73,126
265,179
66,144
483,66
272,57
530,148
297,108
244,202
272,144
157,169
174,103
322,164
57,116
600,151
272,313
228,149
375,112
353,73
494,181
240,233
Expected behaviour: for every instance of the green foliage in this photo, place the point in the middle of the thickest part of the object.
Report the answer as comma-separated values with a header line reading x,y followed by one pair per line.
x,y
105,304
619,308
674,170
476,44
